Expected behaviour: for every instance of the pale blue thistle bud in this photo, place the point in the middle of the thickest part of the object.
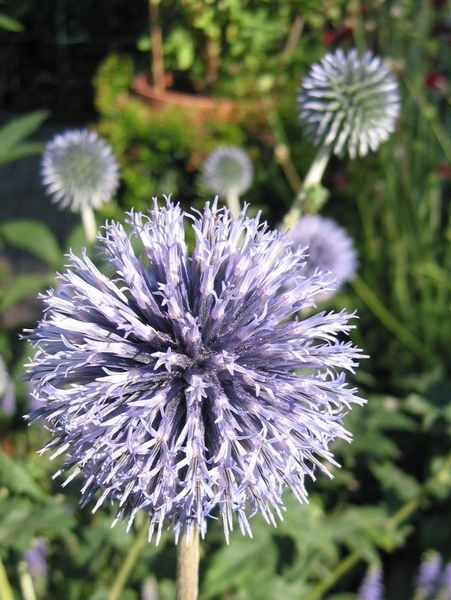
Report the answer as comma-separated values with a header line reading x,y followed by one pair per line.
x,y
228,172
328,248
349,101
79,170
180,384
81,173
372,587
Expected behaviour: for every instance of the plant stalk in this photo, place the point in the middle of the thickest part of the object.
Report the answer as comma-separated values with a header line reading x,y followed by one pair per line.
x,y
312,178
233,203
156,37
128,564
188,564
5,589
89,223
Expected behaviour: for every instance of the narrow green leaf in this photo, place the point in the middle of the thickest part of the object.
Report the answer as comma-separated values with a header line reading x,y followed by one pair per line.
x,y
5,589
14,132
35,237
10,24
22,151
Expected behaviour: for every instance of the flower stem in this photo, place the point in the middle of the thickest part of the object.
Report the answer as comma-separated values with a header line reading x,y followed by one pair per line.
x,y
89,223
26,583
188,564
312,178
128,564
5,589
233,203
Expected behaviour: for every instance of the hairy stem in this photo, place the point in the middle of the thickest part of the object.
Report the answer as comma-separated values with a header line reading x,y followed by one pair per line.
x,y
188,564
233,204
89,223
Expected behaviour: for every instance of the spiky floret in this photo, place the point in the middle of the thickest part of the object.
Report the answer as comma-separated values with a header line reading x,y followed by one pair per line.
x,y
349,101
329,248
372,587
180,384
79,170
228,170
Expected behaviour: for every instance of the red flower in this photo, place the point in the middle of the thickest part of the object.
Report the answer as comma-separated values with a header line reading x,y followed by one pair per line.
x,y
329,37
435,80
444,170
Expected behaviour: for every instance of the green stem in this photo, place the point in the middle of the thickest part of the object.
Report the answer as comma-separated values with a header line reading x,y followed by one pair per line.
x,y
89,223
128,564
188,564
312,178
389,321
233,203
5,589
26,583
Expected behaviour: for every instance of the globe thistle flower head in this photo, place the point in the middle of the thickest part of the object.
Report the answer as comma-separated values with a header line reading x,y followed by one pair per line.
x,y
79,170
228,170
180,384
372,587
36,557
444,592
348,101
329,249
428,575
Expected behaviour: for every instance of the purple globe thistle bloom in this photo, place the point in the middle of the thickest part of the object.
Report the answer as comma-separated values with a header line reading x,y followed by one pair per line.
x,y
348,100
36,558
444,592
80,170
180,384
329,249
372,587
228,170
428,576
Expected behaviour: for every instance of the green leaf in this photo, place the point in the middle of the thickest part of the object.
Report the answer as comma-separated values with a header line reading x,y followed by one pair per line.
x,y
9,23
35,237
17,478
24,286
23,150
17,130
22,519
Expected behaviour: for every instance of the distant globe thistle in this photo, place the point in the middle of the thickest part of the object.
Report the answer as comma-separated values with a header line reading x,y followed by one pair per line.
x,y
329,248
348,100
372,587
428,579
36,558
228,170
80,170
179,384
